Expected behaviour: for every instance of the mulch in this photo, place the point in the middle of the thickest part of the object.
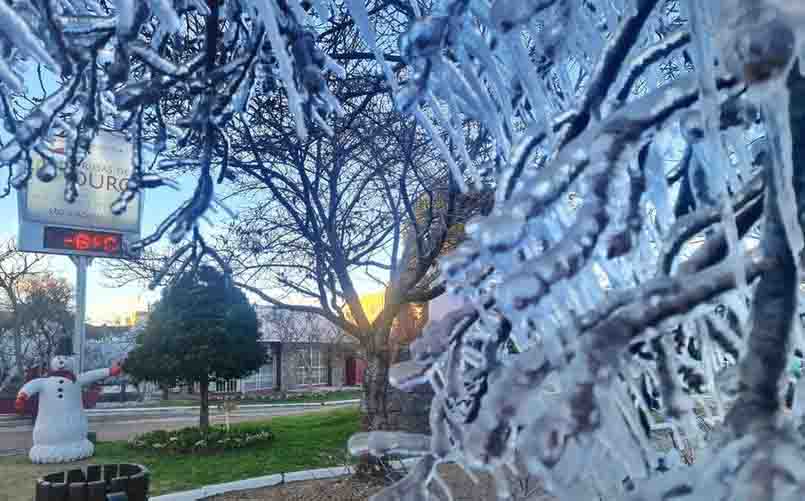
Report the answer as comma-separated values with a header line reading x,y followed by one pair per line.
x,y
342,489
359,489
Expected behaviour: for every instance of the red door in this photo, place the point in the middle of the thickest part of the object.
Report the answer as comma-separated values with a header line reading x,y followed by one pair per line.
x,y
349,372
354,371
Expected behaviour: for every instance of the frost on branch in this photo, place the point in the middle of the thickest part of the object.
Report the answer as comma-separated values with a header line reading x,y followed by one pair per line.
x,y
663,122
634,146
171,75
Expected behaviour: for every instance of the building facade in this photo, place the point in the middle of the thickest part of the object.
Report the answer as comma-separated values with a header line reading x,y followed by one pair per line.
x,y
304,351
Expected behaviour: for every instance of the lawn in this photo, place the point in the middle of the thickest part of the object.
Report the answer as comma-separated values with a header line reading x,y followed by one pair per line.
x,y
294,398
301,442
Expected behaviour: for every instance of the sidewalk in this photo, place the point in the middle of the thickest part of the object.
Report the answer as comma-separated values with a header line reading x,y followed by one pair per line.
x,y
99,415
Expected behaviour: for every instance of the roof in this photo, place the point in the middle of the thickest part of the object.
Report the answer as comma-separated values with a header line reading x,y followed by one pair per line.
x,y
105,331
326,330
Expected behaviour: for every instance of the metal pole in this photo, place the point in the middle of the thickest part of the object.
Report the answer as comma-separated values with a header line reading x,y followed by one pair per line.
x,y
79,334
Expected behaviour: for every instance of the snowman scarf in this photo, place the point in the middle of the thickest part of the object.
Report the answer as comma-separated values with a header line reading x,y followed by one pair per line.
x,y
63,373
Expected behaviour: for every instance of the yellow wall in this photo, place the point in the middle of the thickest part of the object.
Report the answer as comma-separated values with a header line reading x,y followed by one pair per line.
x,y
372,304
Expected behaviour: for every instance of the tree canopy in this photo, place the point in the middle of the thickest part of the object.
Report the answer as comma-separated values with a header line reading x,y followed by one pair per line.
x,y
203,328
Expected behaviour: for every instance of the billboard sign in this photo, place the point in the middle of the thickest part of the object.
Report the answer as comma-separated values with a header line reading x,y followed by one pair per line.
x,y
48,223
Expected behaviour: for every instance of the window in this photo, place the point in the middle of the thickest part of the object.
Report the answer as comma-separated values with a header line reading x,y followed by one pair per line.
x,y
263,379
310,368
226,386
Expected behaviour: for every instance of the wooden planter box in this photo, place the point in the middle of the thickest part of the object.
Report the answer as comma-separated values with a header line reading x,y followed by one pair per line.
x,y
95,483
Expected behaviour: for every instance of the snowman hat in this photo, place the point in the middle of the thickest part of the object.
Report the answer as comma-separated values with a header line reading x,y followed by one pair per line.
x,y
64,347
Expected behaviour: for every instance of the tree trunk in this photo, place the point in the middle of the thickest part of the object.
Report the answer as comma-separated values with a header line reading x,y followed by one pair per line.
x,y
204,410
18,340
374,414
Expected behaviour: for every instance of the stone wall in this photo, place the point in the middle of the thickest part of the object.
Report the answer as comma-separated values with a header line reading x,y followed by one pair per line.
x,y
410,411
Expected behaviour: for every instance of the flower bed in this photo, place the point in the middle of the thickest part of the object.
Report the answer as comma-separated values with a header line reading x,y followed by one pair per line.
x,y
192,440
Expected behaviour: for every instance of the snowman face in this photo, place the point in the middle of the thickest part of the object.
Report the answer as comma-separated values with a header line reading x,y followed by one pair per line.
x,y
60,363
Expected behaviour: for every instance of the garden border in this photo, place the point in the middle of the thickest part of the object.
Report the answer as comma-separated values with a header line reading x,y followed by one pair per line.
x,y
267,481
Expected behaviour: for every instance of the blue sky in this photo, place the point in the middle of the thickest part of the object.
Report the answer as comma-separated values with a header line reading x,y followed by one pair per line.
x,y
105,302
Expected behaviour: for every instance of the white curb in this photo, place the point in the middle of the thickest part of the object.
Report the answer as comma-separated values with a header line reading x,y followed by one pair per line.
x,y
267,481
213,409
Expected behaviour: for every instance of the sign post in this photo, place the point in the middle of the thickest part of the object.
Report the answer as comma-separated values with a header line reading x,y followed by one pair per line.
x,y
86,228
80,332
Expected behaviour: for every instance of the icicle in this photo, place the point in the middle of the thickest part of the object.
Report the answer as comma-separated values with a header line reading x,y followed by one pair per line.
x,y
21,35
526,74
9,77
152,58
269,12
322,8
456,136
710,371
415,6
47,172
297,10
455,170
202,7
168,19
357,8
710,151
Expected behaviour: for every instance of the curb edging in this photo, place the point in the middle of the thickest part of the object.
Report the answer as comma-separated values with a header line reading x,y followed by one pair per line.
x,y
266,481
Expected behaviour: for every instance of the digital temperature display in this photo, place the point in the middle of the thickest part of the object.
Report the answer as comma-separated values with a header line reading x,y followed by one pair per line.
x,y
96,242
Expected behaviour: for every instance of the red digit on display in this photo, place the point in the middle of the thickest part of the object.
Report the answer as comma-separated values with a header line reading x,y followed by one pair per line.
x,y
83,241
111,244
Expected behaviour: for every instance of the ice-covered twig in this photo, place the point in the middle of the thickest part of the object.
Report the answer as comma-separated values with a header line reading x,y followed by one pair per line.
x,y
606,72
382,443
520,157
690,225
433,342
15,29
715,248
644,60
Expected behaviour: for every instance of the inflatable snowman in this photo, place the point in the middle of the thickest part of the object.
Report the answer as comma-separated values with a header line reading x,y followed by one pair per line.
x,y
60,432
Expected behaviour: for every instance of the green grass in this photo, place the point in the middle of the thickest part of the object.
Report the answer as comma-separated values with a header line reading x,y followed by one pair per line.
x,y
299,398
301,442
171,403
302,397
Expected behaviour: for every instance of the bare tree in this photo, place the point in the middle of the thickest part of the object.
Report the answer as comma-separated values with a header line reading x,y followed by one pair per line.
x,y
369,196
16,271
345,205
47,317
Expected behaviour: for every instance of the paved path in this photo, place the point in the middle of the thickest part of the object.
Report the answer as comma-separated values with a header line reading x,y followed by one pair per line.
x,y
18,438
